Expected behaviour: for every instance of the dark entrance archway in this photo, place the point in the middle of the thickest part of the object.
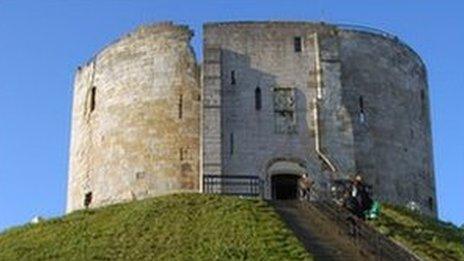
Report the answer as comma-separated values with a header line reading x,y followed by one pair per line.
x,y
284,186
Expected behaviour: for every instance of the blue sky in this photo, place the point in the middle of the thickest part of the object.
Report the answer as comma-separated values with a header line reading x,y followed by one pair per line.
x,y
43,42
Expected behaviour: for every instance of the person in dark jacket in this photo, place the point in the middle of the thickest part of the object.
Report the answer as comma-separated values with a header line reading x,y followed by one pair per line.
x,y
361,196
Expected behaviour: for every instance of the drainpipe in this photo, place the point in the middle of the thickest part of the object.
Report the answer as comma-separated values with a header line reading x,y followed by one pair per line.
x,y
316,102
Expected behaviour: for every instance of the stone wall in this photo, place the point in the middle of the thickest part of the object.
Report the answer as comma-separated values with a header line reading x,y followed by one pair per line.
x,y
135,125
322,98
393,146
361,104
262,55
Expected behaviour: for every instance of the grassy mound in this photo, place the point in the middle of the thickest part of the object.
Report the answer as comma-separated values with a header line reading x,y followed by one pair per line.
x,y
427,237
175,227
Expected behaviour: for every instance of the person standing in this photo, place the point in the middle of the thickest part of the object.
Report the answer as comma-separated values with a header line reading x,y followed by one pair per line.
x,y
305,183
361,195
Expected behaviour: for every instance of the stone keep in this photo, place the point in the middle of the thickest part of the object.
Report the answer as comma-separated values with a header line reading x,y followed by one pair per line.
x,y
278,98
135,124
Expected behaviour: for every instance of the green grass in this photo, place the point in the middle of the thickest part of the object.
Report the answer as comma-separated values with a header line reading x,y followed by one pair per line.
x,y
427,237
174,227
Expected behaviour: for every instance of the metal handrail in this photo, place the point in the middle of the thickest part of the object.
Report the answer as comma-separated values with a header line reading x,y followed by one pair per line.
x,y
375,31
367,29
238,185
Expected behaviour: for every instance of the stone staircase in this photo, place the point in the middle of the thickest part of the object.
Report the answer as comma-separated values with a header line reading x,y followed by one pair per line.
x,y
332,233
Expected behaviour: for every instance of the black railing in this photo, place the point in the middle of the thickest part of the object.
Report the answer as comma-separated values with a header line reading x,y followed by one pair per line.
x,y
237,185
367,29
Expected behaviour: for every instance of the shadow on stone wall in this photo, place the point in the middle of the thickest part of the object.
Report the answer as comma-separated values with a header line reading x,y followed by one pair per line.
x,y
239,111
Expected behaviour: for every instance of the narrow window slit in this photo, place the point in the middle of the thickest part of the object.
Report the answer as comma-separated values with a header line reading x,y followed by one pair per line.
x,y
430,203
140,175
93,94
361,104
423,104
231,143
297,44
233,81
362,115
180,106
258,98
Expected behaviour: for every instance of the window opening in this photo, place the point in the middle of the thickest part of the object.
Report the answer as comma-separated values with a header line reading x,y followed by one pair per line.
x,y
423,104
362,116
297,44
430,203
93,93
258,98
140,175
180,106
233,81
361,104
231,143
87,199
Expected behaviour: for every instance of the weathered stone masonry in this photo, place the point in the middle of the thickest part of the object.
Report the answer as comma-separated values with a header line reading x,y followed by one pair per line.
x,y
360,104
277,98
142,137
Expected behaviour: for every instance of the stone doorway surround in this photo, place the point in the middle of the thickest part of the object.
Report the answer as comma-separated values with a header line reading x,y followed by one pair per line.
x,y
281,168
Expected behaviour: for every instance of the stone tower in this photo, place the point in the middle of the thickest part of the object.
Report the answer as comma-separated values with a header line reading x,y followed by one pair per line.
x,y
278,99
284,98
135,124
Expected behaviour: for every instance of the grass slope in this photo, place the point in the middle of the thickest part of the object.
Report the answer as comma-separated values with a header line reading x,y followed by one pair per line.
x,y
175,227
427,237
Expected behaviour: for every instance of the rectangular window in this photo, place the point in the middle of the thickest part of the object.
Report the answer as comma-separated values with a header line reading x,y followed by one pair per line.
x,y
231,143
140,175
93,93
362,115
297,44
180,106
430,203
233,81
361,104
423,104
258,98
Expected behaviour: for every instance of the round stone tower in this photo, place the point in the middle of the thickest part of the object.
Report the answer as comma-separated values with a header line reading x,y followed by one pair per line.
x,y
279,99
283,98
135,124
385,90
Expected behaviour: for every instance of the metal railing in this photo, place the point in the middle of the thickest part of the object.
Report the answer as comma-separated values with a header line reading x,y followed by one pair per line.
x,y
236,185
365,236
367,29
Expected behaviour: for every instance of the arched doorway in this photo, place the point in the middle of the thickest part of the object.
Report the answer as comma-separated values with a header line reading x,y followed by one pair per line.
x,y
283,175
284,186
